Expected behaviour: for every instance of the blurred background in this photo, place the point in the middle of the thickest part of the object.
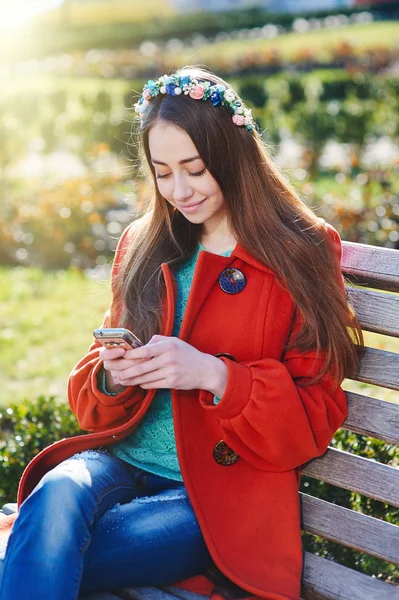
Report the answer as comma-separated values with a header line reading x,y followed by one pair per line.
x,y
322,79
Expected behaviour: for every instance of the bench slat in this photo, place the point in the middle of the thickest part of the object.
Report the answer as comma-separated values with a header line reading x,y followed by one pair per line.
x,y
376,311
372,417
327,580
379,367
350,528
371,266
361,475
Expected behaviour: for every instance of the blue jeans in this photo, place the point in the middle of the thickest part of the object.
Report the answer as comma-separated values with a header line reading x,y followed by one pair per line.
x,y
95,522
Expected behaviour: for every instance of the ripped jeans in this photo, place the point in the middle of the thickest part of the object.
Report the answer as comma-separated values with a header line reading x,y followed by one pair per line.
x,y
95,522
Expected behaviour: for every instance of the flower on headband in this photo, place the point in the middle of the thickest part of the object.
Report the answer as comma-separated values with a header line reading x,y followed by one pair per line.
x,y
197,92
238,120
216,97
229,95
185,80
170,88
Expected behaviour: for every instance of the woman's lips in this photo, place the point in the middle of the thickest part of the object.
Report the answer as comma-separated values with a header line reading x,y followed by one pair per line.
x,y
192,207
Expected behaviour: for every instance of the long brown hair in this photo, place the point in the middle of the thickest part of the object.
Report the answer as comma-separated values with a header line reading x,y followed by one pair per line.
x,y
265,215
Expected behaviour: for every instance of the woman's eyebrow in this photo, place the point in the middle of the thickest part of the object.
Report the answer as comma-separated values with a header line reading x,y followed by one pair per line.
x,y
181,162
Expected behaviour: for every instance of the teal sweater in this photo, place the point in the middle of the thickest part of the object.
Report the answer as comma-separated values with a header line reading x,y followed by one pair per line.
x,y
152,445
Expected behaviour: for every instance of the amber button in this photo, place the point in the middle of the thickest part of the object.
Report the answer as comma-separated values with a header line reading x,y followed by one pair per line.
x,y
232,281
224,455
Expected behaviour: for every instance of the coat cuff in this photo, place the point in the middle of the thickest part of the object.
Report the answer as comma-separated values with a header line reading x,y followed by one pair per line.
x,y
108,399
236,395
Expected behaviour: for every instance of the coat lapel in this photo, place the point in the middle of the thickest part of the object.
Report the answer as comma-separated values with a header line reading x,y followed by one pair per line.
x,y
208,268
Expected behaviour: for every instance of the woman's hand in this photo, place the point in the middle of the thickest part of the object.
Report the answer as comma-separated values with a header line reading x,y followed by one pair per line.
x,y
169,362
111,357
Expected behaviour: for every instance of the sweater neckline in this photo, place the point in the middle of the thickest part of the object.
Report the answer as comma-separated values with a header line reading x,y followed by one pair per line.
x,y
225,253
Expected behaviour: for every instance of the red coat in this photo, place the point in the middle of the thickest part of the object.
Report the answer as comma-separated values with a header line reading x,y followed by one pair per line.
x,y
248,511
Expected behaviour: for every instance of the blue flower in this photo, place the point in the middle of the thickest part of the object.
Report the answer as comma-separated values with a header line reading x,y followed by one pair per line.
x,y
170,88
184,80
216,97
152,86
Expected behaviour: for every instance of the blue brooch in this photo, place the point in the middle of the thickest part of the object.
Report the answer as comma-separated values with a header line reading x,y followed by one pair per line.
x,y
232,281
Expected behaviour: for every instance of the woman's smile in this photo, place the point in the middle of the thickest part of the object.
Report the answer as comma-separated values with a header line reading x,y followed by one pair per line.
x,y
190,207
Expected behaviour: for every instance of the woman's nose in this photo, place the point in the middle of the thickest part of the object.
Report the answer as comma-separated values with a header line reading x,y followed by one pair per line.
x,y
181,189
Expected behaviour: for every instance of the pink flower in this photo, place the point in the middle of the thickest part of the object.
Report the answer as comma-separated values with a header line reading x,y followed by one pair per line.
x,y
238,120
147,94
197,92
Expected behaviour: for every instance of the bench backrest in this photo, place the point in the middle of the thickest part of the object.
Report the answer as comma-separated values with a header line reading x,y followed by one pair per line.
x,y
378,311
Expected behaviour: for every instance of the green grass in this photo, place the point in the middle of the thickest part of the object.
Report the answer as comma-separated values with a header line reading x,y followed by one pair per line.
x,y
46,324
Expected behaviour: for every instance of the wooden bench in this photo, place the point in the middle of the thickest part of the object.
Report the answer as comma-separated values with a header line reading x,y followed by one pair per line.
x,y
378,311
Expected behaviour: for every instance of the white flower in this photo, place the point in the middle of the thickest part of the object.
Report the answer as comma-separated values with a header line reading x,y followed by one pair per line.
x,y
239,111
177,91
163,90
229,95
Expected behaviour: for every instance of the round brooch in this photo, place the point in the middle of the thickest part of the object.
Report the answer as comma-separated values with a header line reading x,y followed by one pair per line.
x,y
232,281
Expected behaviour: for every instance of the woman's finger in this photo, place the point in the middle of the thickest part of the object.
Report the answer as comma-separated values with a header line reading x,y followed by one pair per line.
x,y
121,364
154,348
141,366
158,378
111,353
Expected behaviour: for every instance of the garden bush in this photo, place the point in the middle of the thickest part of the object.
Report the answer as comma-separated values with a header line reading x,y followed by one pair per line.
x,y
25,429
76,224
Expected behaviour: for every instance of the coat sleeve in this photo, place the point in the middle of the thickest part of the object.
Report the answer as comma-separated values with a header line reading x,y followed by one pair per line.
x,y
94,410
268,416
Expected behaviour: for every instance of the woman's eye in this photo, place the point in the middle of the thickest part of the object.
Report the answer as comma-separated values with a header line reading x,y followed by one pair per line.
x,y
198,173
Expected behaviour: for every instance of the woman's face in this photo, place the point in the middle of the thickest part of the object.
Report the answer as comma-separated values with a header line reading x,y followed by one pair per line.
x,y
182,178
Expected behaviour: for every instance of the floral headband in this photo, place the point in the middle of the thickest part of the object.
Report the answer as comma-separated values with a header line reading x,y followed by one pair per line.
x,y
175,85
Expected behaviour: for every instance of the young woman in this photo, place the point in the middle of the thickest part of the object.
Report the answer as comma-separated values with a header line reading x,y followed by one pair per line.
x,y
197,438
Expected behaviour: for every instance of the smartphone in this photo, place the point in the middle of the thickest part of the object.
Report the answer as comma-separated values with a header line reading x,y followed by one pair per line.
x,y
117,337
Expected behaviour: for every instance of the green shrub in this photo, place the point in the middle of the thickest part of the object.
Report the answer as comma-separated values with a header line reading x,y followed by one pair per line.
x,y
25,429
253,90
